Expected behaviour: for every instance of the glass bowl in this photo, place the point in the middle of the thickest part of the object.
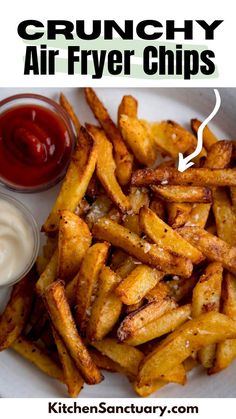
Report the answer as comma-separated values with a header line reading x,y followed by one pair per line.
x,y
60,114
35,235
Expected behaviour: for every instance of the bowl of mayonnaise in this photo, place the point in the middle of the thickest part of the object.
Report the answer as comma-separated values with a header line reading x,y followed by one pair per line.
x,y
19,240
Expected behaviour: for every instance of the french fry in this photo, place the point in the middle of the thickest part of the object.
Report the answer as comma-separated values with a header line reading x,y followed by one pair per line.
x,y
105,363
73,242
226,351
87,279
165,237
126,356
162,325
123,158
183,193
72,377
219,155
106,167
224,216
229,296
128,106
178,213
62,320
159,292
106,308
79,173
64,102
211,246
138,139
172,138
225,355
142,317
137,284
39,357
49,274
206,297
17,311
177,375
208,137
207,329
138,198
196,177
198,215
147,253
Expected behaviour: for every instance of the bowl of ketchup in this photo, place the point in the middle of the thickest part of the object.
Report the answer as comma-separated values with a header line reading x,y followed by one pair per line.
x,y
36,142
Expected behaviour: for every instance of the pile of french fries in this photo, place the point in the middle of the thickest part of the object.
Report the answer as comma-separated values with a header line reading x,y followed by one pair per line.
x,y
137,275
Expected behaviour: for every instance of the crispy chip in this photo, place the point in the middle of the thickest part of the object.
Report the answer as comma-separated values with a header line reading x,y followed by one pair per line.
x,y
123,158
77,178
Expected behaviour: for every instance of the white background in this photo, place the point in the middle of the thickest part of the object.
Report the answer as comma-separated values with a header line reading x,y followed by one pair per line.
x,y
27,409
12,47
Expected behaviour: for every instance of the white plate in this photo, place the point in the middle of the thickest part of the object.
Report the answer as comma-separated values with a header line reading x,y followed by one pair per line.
x,y
17,377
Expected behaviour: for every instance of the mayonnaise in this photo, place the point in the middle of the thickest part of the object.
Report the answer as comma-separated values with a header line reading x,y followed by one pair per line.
x,y
17,242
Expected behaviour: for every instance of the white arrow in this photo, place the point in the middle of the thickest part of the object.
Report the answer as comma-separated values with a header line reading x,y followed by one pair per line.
x,y
185,162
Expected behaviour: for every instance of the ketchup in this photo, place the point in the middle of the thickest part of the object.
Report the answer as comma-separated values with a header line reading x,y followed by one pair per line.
x,y
35,146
